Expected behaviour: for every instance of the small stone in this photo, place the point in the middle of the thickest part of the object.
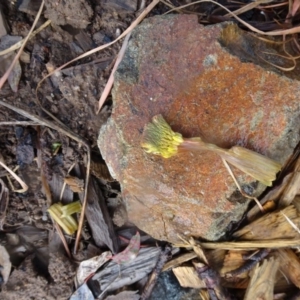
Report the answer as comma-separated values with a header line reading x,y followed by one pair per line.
x,y
120,216
191,76
120,5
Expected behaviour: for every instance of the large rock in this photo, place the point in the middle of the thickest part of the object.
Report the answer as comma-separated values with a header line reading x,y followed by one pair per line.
x,y
175,67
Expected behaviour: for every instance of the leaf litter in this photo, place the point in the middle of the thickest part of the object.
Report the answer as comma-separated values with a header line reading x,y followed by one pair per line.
x,y
281,226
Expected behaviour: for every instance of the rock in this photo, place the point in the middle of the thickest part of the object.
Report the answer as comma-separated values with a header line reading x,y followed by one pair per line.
x,y
178,68
75,13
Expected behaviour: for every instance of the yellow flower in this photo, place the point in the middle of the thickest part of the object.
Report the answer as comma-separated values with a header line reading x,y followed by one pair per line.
x,y
160,139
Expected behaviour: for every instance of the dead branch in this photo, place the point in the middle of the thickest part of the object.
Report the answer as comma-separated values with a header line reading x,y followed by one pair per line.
x,y
163,257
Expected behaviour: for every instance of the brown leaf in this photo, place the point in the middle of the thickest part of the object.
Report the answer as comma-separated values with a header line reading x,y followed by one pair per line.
x,y
130,252
75,184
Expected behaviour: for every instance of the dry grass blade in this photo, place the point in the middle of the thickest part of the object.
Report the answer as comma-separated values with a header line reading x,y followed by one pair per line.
x,y
129,29
63,239
70,134
291,222
20,43
278,67
5,76
248,7
270,33
251,245
18,123
22,183
110,81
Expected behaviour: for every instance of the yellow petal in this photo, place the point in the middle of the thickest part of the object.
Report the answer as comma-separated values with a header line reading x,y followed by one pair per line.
x,y
160,139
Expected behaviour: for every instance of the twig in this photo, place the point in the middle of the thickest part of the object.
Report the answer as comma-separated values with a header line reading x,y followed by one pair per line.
x,y
5,76
72,135
20,43
251,262
212,281
163,257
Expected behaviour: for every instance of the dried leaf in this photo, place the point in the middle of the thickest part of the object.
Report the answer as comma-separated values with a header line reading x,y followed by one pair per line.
x,y
90,266
131,251
75,184
15,76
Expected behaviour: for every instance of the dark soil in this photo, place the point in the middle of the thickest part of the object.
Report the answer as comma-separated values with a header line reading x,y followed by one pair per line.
x,y
41,155
72,97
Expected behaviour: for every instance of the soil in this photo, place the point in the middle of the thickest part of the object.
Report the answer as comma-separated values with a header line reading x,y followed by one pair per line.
x,y
42,156
38,152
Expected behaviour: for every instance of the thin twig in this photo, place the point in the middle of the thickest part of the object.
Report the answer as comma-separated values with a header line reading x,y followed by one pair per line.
x,y
248,7
18,123
259,256
5,76
163,257
72,135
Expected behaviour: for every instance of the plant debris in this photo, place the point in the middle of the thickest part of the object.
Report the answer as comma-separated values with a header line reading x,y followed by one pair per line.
x,y
158,138
48,147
